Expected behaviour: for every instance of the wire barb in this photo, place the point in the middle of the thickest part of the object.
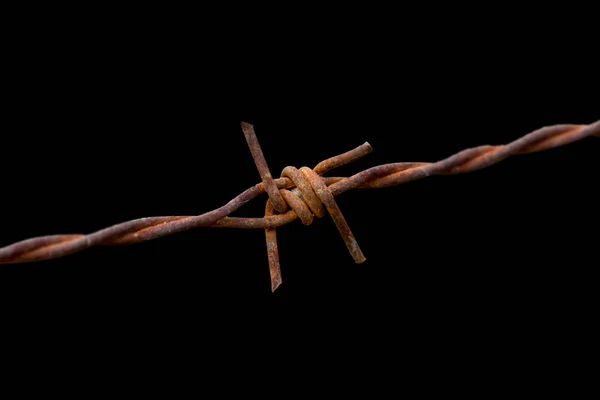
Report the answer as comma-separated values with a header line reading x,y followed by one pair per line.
x,y
299,193
310,189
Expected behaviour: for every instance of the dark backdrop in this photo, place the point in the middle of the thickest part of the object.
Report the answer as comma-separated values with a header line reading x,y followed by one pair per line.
x,y
95,134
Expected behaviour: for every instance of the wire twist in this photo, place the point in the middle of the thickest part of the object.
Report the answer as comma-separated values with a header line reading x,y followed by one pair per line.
x,y
309,192
308,197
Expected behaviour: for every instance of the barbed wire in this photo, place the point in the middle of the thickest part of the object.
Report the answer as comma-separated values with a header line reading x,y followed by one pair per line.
x,y
299,193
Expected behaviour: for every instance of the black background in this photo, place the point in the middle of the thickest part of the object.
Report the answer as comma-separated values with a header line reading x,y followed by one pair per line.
x,y
98,130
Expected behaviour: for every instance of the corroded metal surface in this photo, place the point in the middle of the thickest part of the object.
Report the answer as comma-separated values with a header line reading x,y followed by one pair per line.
x,y
299,193
261,164
309,197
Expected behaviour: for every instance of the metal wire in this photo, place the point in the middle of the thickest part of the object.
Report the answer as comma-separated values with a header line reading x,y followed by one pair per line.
x,y
310,195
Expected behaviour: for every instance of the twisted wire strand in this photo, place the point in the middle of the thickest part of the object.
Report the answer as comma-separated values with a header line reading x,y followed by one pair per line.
x,y
53,246
313,190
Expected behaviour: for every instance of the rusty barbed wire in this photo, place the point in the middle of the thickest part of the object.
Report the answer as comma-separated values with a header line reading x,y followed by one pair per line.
x,y
299,193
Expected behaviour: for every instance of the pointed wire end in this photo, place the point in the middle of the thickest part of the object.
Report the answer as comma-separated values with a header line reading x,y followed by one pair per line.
x,y
275,283
368,147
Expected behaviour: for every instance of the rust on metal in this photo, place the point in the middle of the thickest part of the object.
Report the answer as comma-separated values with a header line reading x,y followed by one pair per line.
x,y
261,164
308,197
272,251
305,189
327,198
298,194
